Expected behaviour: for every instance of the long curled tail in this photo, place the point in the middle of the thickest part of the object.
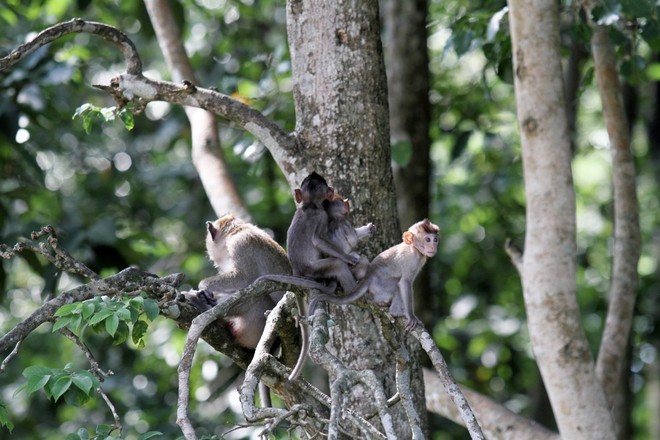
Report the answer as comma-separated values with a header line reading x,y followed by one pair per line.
x,y
362,288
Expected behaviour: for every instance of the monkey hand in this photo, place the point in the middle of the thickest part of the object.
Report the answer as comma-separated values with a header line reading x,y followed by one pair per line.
x,y
371,228
352,260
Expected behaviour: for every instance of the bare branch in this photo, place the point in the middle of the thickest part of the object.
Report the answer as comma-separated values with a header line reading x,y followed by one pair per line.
x,y
496,420
108,33
449,383
59,257
132,86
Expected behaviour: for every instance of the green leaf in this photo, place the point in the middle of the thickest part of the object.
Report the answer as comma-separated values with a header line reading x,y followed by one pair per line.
x,y
35,383
88,309
127,118
72,437
111,324
124,314
68,309
151,308
103,430
83,433
61,386
139,330
4,417
62,322
36,370
100,316
84,383
121,334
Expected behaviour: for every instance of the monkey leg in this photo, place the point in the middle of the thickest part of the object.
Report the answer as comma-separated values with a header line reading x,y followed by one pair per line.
x,y
332,268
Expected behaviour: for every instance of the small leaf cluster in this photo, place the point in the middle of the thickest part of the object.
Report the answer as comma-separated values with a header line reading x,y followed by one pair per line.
x,y
105,432
76,385
109,314
87,112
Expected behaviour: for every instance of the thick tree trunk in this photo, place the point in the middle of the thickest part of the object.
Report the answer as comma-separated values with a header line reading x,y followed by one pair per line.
x,y
548,267
342,131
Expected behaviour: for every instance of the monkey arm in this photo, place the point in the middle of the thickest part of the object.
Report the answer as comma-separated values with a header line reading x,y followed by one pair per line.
x,y
329,249
365,231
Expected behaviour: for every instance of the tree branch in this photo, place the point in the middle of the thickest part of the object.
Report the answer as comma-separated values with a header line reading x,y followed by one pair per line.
x,y
76,25
132,86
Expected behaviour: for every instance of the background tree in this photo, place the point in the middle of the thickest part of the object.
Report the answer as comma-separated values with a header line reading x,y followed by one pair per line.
x,y
61,176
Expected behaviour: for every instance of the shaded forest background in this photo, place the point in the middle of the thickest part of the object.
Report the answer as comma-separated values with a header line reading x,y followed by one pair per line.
x,y
125,198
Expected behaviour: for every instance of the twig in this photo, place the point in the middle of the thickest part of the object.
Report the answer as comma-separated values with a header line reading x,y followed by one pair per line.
x,y
13,353
59,257
97,372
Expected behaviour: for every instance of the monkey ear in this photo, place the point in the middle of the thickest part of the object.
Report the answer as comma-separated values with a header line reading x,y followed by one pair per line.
x,y
408,237
298,195
211,229
347,207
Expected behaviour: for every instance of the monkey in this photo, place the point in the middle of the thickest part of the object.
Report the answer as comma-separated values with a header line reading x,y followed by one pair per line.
x,y
342,233
311,252
241,252
391,274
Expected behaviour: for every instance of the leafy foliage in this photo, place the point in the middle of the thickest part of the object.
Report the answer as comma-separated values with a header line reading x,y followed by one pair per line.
x,y
132,197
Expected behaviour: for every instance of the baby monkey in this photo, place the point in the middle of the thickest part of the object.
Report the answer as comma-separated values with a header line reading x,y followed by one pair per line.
x,y
344,235
311,251
391,274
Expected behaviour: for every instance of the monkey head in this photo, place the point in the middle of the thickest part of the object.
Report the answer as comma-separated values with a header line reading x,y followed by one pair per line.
x,y
424,236
216,246
337,207
314,189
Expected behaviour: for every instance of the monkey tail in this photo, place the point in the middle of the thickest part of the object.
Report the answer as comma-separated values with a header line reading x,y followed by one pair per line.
x,y
296,280
304,336
347,299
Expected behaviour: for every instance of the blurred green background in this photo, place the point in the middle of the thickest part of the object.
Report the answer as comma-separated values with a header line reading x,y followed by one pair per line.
x,y
123,198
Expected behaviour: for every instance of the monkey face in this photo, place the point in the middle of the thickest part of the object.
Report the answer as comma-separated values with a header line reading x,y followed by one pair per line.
x,y
429,245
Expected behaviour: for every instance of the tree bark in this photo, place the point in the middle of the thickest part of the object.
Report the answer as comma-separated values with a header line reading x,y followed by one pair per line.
x,y
612,361
548,267
342,132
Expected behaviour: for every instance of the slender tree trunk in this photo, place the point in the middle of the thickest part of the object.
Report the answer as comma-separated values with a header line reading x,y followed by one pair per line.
x,y
342,130
406,58
207,154
612,359
548,267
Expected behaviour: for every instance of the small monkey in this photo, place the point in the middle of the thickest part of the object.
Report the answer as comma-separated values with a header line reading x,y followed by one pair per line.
x,y
344,235
391,274
311,252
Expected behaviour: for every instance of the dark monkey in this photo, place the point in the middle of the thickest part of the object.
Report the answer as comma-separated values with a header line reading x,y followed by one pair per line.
x,y
311,252
391,274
